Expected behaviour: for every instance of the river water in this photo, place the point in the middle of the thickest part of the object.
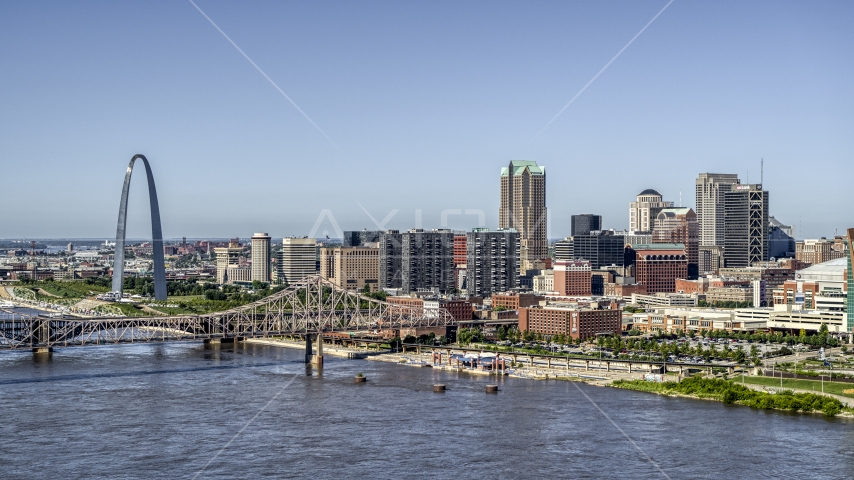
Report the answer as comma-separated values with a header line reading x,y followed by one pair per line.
x,y
178,410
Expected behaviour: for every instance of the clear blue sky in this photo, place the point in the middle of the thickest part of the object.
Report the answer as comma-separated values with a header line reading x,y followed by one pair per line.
x,y
426,101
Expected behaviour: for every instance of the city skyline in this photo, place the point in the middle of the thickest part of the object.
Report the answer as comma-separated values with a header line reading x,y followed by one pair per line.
x,y
773,87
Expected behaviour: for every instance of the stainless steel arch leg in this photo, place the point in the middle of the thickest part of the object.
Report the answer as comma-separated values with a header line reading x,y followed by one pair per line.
x,y
156,234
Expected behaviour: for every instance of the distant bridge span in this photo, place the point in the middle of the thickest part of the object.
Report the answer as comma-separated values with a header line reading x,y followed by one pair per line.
x,y
310,307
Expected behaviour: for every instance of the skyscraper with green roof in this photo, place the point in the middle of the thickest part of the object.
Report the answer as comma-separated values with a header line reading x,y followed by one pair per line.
x,y
523,207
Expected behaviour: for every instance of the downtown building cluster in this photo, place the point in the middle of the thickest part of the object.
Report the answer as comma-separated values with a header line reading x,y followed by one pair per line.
x,y
727,251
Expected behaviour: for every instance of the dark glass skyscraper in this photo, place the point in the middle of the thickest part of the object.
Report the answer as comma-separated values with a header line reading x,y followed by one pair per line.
x,y
585,223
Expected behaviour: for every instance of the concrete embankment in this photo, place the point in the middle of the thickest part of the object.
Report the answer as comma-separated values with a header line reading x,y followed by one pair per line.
x,y
327,350
593,376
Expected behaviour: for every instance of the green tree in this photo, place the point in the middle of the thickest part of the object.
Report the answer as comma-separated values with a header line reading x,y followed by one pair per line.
x,y
501,333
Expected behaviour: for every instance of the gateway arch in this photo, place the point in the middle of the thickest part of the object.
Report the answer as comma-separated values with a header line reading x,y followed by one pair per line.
x,y
156,234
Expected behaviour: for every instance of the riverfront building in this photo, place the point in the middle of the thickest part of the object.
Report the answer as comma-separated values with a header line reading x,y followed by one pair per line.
x,y
577,322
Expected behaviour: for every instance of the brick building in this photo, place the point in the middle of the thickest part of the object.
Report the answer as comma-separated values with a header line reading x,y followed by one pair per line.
x,y
459,249
458,308
679,225
515,301
658,265
580,323
572,277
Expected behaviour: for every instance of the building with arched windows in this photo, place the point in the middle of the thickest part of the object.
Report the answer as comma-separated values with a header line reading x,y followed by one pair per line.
x,y
658,265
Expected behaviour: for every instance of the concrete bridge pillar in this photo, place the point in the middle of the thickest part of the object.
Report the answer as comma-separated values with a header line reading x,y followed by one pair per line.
x,y
630,366
317,359
587,365
549,362
607,366
308,354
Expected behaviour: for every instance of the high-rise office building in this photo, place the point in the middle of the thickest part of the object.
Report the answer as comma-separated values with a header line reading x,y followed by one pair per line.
x,y
643,211
417,260
710,190
564,249
351,268
357,238
491,261
261,257
781,239
746,225
523,207
679,225
585,223
601,248
297,259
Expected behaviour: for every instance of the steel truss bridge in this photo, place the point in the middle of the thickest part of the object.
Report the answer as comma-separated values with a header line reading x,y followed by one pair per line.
x,y
310,307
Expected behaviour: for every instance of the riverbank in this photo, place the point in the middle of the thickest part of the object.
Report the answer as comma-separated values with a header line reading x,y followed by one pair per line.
x,y
730,392
703,388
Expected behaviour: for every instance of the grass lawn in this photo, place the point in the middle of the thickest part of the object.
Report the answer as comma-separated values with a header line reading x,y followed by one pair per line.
x,y
70,289
835,388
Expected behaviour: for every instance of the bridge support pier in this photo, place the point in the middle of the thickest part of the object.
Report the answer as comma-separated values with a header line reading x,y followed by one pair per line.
x,y
213,341
42,350
308,354
317,360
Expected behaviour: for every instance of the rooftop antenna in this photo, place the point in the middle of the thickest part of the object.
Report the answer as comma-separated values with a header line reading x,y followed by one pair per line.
x,y
680,198
761,170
